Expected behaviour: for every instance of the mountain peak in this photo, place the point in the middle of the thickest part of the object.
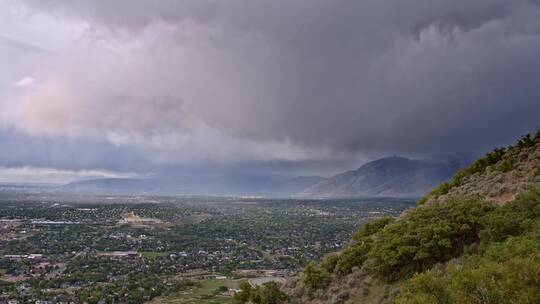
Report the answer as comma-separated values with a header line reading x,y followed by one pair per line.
x,y
389,176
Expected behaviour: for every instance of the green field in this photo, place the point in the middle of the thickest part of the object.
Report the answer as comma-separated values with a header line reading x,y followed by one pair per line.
x,y
206,293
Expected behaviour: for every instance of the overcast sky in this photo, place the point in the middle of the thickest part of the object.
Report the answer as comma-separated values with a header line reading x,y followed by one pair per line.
x,y
124,87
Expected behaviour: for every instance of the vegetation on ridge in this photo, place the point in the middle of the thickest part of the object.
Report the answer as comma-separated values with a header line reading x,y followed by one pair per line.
x,y
505,270
500,159
460,249
450,252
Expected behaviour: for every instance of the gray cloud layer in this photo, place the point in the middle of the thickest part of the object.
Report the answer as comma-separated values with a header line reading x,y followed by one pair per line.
x,y
243,81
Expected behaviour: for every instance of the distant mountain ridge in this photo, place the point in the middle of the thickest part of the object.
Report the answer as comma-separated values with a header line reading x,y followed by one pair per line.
x,y
393,176
279,186
389,177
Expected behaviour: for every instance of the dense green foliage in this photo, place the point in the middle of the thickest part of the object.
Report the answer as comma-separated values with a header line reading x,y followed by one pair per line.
x,y
372,227
425,237
422,238
356,253
329,262
268,293
315,278
512,219
505,270
459,251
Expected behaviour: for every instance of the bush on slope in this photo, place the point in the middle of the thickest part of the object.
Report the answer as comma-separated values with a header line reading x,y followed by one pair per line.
x,y
506,270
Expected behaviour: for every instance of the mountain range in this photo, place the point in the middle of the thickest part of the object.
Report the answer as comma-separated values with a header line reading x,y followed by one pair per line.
x,y
389,177
219,185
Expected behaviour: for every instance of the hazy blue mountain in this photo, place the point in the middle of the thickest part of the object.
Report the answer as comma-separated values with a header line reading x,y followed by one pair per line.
x,y
197,185
391,176
109,185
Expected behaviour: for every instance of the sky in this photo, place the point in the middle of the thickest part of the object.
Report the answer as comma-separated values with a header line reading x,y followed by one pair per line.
x,y
97,88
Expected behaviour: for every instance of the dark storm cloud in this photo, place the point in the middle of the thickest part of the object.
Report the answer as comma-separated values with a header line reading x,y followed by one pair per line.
x,y
237,81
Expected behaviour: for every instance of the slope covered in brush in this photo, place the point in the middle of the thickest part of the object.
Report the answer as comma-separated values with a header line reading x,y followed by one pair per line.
x,y
498,176
463,244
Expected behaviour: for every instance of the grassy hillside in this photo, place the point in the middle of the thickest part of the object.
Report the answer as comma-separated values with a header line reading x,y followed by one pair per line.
x,y
475,239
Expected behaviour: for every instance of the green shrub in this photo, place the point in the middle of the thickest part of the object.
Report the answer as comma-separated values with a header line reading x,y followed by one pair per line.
x,y
245,293
315,278
353,256
329,263
506,165
525,142
372,227
521,246
356,254
422,200
478,166
441,189
270,293
425,288
507,270
426,236
510,277
512,219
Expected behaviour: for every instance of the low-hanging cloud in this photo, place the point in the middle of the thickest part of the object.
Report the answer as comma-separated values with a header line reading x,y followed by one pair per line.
x,y
303,80
54,176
